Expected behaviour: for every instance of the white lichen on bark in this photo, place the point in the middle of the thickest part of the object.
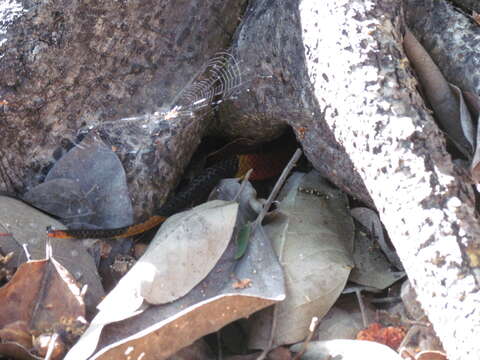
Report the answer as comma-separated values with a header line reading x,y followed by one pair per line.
x,y
362,79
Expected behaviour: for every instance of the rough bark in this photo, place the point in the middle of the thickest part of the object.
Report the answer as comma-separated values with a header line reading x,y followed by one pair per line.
x,y
68,64
90,63
451,39
468,5
372,106
270,51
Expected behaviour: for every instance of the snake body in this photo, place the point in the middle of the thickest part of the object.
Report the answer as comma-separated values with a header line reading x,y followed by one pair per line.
x,y
264,166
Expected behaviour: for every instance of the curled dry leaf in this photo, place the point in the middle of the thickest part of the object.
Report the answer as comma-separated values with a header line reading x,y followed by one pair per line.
x,y
438,92
42,298
27,228
465,118
473,103
161,330
390,336
312,233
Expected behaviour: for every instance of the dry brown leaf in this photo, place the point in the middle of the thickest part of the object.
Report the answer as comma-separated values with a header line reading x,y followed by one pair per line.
x,y
161,330
41,298
27,226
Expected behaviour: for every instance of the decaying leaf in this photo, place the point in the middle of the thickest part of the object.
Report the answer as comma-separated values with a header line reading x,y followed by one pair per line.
x,y
40,300
312,233
158,331
27,228
391,336
347,350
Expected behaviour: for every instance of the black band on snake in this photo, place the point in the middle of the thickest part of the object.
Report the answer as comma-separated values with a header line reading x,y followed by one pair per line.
x,y
198,188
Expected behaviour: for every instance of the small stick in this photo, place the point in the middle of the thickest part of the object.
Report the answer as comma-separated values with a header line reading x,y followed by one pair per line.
x,y
276,189
51,346
243,184
358,293
278,185
311,331
267,349
27,253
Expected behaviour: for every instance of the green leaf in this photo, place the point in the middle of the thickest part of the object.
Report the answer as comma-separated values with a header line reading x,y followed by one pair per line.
x,y
242,240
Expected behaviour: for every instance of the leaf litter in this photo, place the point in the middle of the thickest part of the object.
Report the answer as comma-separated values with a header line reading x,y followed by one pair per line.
x,y
312,234
246,278
211,304
456,111
27,228
41,301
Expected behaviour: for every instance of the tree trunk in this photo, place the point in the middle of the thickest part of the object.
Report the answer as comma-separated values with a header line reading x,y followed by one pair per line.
x,y
371,104
68,64
335,71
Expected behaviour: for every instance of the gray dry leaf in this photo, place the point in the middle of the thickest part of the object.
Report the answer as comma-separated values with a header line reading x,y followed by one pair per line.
x,y
100,182
214,302
184,251
347,350
370,220
312,233
27,226
371,269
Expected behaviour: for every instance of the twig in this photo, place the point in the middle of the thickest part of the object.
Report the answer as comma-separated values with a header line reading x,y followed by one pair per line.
x,y
311,331
243,184
358,293
258,221
51,346
267,349
27,253
278,185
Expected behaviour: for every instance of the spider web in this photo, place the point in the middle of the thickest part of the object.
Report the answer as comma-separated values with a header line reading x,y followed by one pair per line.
x,y
216,81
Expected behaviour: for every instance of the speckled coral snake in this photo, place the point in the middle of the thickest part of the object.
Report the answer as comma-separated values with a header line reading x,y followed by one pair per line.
x,y
264,165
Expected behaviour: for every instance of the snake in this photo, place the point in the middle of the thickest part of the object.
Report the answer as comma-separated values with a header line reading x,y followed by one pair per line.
x,y
264,165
